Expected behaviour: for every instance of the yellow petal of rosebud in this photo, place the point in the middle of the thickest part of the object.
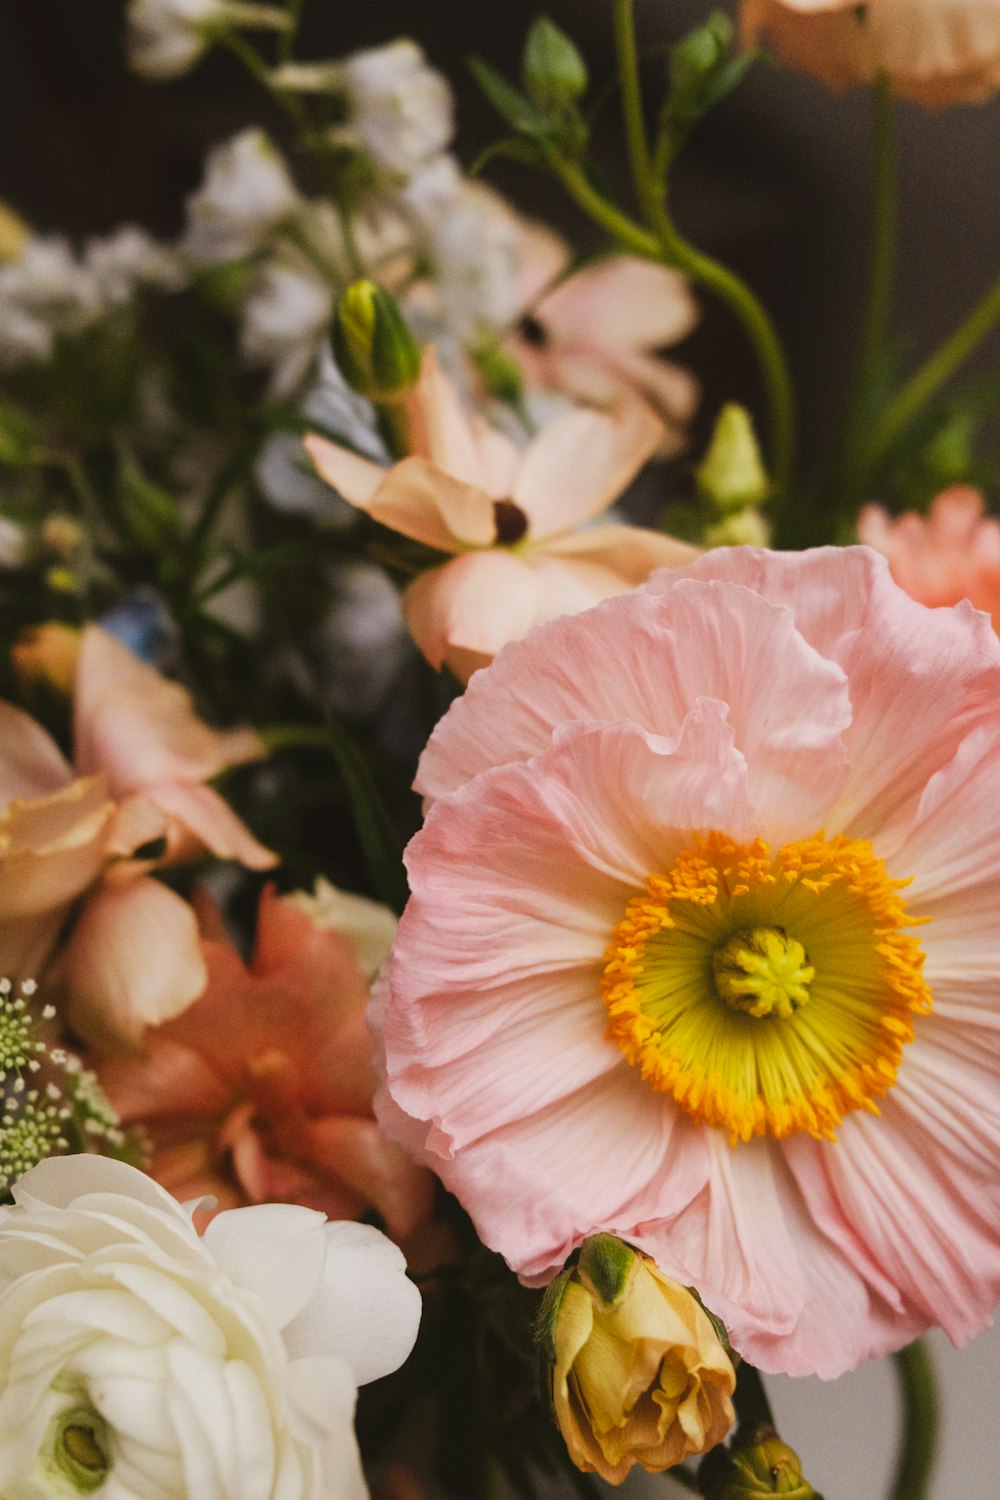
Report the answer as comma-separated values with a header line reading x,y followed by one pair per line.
x,y
374,349
639,1374
731,476
13,234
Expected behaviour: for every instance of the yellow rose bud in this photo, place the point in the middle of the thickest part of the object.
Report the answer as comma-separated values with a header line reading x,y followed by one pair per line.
x,y
46,654
639,1373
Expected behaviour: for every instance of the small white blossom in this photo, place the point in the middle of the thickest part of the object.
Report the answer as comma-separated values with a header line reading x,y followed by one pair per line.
x,y
369,926
144,1361
128,259
285,318
472,244
45,292
246,193
167,37
400,108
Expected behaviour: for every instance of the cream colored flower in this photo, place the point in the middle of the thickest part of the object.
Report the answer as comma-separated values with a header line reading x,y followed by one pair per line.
x,y
367,925
934,51
142,1362
639,1375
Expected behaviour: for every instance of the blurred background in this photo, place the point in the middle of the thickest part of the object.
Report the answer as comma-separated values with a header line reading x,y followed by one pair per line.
x,y
775,184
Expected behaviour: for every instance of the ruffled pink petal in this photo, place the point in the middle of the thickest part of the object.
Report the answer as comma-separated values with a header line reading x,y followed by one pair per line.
x,y
132,961
31,763
580,463
619,302
211,821
137,727
648,659
476,603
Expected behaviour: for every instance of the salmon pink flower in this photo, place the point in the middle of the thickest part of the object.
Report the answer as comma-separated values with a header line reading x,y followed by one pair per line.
x,y
933,51
595,334
516,521
702,951
261,1091
140,760
953,554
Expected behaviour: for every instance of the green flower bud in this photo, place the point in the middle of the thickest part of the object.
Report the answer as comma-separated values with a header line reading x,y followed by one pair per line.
x,y
552,70
374,349
499,371
743,528
731,476
754,1468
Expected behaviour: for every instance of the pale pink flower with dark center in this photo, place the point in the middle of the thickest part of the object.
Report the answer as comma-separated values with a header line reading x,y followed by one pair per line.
x,y
596,334
141,758
518,522
934,51
953,553
261,1091
702,951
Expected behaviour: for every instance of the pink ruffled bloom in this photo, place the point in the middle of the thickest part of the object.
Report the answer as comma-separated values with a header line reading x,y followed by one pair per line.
x,y
952,554
934,51
595,335
261,1091
703,945
517,521
140,760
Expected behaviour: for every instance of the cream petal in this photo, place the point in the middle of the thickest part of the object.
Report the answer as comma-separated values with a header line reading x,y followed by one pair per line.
x,y
275,1250
210,820
620,302
31,763
630,553
476,603
354,478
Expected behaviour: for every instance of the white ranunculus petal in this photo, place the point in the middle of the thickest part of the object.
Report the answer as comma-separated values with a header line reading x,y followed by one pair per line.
x,y
282,1258
367,1311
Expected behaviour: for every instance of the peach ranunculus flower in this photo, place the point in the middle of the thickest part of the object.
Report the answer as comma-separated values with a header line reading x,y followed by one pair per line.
x,y
261,1091
702,951
141,757
594,334
934,51
953,553
515,520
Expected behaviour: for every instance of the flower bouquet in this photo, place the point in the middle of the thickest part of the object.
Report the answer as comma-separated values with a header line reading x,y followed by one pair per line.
x,y
486,983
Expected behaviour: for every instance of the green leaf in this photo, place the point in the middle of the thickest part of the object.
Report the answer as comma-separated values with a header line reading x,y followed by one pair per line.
x,y
19,442
519,112
150,515
378,836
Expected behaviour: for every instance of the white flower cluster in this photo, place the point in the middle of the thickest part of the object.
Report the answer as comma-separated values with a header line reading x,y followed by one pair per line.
x,y
141,1361
46,290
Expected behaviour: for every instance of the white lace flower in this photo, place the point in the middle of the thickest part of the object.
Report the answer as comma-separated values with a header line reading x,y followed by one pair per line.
x,y
400,108
141,1362
246,192
167,37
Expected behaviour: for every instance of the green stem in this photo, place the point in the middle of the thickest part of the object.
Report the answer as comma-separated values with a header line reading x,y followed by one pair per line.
x,y
672,249
629,235
933,374
753,1408
287,39
920,1423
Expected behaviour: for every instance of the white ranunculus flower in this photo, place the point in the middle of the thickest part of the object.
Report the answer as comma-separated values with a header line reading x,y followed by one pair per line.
x,y
139,1361
400,108
246,192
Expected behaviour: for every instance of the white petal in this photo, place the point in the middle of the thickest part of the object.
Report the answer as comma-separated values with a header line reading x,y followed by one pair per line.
x,y
276,1250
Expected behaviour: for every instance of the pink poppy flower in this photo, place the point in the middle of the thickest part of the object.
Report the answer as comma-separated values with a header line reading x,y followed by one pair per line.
x,y
595,335
952,554
517,521
934,51
140,758
703,950
261,1091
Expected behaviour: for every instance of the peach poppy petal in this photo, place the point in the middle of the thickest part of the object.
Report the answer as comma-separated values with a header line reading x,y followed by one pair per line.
x,y
424,502
473,603
53,848
138,727
630,553
132,961
580,463
210,820
620,302
31,763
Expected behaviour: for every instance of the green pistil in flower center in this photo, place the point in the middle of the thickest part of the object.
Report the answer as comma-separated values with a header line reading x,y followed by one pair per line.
x,y
763,972
81,1448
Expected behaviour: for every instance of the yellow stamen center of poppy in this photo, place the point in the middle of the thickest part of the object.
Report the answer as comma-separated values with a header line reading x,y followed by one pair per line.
x,y
768,992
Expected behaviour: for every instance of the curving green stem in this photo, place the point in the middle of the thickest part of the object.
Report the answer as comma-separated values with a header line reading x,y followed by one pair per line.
x,y
918,1443
650,177
885,213
939,369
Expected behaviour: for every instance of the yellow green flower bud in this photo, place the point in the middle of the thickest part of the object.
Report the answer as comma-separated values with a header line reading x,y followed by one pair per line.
x,y
639,1374
755,1467
732,476
552,70
13,234
374,349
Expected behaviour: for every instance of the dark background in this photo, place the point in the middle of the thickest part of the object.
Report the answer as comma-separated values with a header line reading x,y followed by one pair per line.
x,y
776,183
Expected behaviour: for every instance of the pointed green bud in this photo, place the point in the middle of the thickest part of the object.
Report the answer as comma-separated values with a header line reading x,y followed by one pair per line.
x,y
732,476
741,528
552,71
703,70
605,1262
756,1467
372,344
